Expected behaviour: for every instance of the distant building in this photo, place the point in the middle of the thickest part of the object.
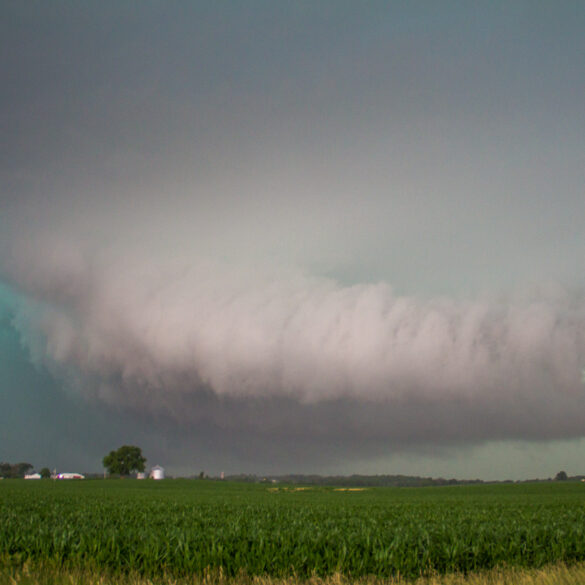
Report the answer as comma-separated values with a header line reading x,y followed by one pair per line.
x,y
70,476
33,476
157,472
141,475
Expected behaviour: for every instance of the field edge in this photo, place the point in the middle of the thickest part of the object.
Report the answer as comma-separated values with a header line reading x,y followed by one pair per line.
x,y
48,574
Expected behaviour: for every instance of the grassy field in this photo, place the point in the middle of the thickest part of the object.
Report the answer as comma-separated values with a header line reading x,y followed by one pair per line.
x,y
550,575
146,532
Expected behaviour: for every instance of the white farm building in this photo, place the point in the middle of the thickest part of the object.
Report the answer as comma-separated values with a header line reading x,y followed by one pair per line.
x,y
157,472
70,476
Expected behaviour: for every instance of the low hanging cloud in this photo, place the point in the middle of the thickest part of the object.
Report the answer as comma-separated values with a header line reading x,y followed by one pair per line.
x,y
287,355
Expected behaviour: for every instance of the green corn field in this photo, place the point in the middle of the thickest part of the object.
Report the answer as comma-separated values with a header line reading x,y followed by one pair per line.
x,y
185,527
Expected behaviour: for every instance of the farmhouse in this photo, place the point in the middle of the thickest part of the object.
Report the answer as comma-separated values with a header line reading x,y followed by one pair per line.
x,y
70,476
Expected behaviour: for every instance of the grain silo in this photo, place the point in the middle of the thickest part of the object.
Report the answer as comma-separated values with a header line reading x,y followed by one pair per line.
x,y
157,472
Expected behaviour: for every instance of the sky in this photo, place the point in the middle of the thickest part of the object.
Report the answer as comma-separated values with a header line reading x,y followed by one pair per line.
x,y
294,237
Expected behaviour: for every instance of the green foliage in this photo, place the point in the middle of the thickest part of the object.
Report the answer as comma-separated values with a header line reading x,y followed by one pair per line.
x,y
45,473
186,527
14,470
124,460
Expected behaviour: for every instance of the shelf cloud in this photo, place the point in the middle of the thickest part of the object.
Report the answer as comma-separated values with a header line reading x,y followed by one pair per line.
x,y
291,232
286,354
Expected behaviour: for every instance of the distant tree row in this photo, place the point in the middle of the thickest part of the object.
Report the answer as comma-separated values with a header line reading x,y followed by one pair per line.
x,y
14,470
378,480
19,470
355,480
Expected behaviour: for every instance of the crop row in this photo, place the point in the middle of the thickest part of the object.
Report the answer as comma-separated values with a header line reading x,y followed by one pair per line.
x,y
383,532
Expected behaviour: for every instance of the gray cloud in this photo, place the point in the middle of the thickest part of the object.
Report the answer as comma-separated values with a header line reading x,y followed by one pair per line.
x,y
271,227
285,356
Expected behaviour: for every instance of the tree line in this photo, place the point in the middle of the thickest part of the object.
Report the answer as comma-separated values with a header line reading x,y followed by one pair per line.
x,y
15,470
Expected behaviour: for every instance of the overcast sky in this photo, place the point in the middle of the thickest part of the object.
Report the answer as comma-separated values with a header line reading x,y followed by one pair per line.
x,y
275,237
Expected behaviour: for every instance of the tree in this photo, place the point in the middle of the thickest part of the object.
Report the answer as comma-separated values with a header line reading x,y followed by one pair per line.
x,y
561,476
124,460
21,469
45,473
14,470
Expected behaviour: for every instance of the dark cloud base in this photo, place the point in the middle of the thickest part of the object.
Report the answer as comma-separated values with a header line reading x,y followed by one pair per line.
x,y
303,370
277,434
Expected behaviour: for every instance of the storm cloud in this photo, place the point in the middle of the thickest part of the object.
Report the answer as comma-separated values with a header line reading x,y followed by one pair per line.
x,y
288,355
319,232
